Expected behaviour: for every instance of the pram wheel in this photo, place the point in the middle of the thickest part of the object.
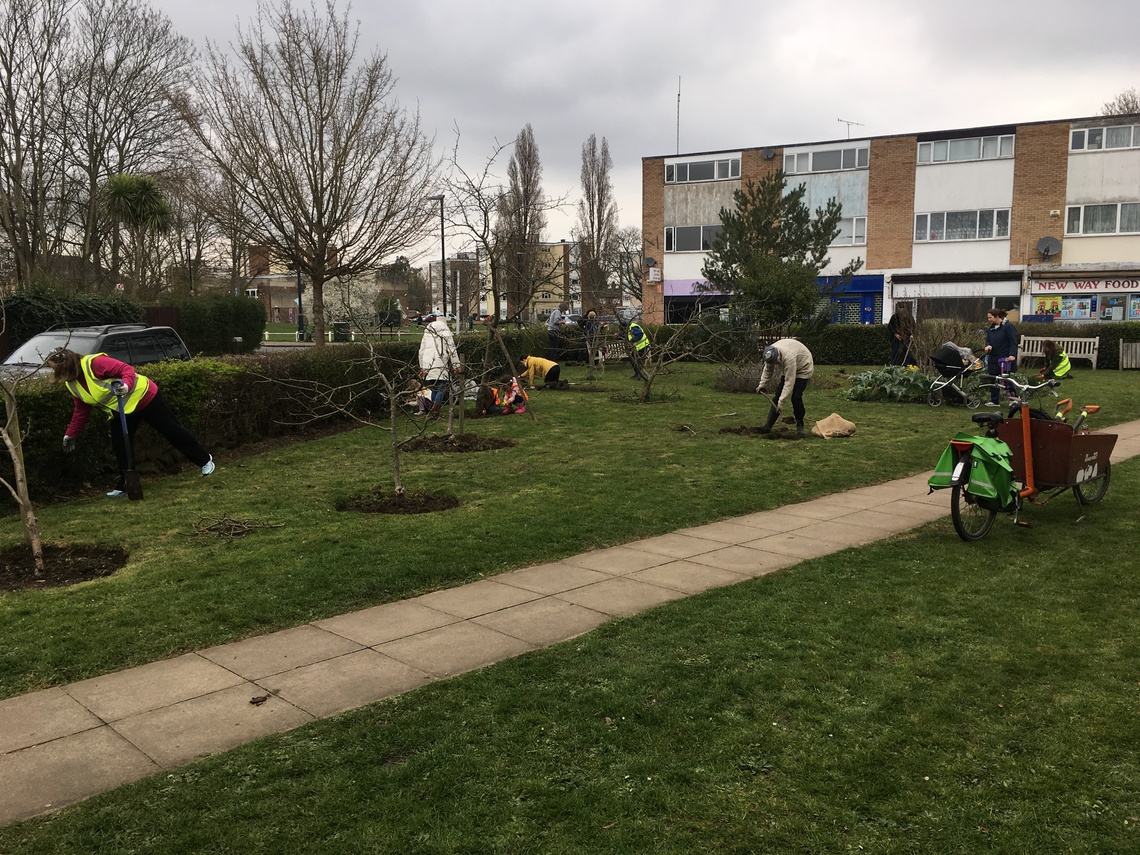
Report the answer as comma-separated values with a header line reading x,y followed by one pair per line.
x,y
935,398
973,399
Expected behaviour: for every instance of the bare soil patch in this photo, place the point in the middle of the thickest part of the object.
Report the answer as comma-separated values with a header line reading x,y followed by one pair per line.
x,y
64,564
779,431
457,444
381,500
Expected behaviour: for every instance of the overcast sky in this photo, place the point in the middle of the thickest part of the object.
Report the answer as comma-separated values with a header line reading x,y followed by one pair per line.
x,y
752,72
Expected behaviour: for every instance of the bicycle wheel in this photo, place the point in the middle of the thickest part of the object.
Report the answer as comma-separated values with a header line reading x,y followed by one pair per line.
x,y
1092,491
971,520
935,398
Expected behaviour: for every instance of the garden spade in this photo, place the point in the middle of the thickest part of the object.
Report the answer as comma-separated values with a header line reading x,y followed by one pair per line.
x,y
131,480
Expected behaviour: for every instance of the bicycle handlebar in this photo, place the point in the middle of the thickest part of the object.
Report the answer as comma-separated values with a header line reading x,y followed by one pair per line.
x,y
1028,387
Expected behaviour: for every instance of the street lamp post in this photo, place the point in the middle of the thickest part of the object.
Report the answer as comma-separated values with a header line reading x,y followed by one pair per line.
x,y
189,273
442,254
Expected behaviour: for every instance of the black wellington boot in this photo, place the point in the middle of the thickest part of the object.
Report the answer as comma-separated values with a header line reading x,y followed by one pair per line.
x,y
767,426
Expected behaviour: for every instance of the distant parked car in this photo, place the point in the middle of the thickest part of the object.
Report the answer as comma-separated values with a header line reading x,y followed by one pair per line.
x,y
137,344
572,319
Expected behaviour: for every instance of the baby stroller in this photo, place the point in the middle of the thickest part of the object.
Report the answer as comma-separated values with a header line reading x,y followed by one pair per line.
x,y
960,377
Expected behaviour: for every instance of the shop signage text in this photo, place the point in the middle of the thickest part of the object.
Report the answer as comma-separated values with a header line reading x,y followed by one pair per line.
x,y
1075,285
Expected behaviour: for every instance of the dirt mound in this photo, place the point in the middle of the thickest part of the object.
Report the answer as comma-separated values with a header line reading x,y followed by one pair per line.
x,y
63,565
381,500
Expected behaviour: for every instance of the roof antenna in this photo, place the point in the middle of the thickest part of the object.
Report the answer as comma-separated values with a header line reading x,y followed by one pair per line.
x,y
678,114
849,124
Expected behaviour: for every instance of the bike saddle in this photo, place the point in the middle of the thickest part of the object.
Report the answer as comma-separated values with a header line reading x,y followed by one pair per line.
x,y
986,418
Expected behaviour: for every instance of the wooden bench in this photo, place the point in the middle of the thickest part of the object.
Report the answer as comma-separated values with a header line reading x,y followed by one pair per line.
x,y
1077,348
1129,354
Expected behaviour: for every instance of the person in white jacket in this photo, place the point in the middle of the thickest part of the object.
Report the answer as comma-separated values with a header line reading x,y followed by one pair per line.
x,y
439,359
788,367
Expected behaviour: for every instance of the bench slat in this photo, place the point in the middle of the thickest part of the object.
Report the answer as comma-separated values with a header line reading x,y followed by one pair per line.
x,y
1077,348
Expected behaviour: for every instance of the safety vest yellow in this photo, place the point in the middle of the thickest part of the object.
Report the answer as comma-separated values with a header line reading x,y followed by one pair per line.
x,y
98,392
1063,366
637,336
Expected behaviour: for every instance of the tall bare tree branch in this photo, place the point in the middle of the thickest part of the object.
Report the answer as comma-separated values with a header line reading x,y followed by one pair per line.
x,y
331,172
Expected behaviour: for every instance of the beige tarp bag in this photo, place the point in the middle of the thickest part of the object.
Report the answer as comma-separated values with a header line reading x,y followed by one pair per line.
x,y
833,425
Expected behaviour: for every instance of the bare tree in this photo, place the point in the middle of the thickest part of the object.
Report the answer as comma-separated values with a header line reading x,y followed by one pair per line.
x,y
125,59
519,223
33,46
1127,103
331,172
485,212
597,222
628,252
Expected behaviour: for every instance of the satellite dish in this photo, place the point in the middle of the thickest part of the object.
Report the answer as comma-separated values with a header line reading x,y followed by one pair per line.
x,y
649,262
1048,247
768,154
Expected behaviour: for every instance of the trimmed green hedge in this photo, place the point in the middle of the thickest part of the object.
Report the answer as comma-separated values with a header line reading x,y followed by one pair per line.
x,y
213,325
33,310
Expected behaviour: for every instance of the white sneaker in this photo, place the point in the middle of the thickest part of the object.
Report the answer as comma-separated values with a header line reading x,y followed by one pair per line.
x,y
992,404
116,494
209,467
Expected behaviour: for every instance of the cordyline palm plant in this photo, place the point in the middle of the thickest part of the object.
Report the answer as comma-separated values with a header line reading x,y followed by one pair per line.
x,y
138,203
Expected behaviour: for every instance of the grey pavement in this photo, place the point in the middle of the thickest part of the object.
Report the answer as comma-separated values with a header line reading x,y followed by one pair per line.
x,y
64,744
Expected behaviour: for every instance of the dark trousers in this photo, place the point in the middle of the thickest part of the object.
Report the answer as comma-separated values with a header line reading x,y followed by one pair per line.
x,y
993,366
160,417
797,400
552,375
637,359
554,344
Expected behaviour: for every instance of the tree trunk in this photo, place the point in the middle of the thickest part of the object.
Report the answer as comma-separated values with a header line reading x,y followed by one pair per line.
x,y
13,440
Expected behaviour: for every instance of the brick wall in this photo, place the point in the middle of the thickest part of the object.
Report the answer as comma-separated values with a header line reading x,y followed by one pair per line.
x,y
1040,171
653,235
753,166
890,203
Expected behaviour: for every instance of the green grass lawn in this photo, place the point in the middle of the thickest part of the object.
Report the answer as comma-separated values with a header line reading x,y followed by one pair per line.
x,y
916,695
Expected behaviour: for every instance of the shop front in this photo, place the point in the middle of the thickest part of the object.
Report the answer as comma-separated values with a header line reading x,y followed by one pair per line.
x,y
956,296
1085,297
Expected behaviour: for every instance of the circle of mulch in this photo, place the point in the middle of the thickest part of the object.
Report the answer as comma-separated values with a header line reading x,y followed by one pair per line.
x,y
380,500
777,432
64,564
457,444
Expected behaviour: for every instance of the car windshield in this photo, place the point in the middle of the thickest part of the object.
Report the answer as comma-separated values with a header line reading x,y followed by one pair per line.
x,y
35,350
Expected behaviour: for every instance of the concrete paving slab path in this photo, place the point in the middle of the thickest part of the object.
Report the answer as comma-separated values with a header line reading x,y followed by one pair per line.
x,y
65,744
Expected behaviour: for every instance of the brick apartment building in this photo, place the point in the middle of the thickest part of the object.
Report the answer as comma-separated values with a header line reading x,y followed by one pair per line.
x,y
1041,218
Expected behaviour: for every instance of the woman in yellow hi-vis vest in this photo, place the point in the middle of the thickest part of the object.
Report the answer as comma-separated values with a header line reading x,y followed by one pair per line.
x,y
98,381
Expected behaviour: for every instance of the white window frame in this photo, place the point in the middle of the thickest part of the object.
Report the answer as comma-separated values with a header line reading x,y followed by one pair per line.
x,y
1096,139
990,147
857,232
723,169
851,158
1075,220
930,226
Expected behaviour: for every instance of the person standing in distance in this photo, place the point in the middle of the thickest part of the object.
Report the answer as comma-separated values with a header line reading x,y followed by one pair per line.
x,y
439,358
639,348
1001,351
554,332
98,381
788,366
901,329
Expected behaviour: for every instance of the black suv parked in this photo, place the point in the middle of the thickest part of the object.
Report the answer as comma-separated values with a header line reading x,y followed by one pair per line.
x,y
137,344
